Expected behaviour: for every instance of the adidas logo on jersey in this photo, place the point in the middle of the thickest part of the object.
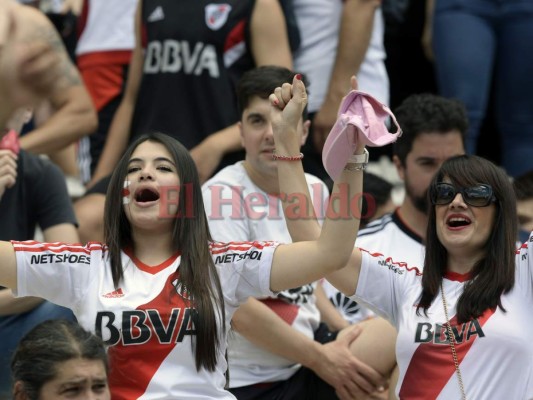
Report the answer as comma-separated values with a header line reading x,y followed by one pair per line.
x,y
181,289
114,294
156,15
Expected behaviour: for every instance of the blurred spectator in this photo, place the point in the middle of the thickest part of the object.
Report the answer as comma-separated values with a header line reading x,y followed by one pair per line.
x,y
33,194
338,39
523,187
380,191
32,190
483,43
186,62
404,26
106,40
178,60
62,14
72,113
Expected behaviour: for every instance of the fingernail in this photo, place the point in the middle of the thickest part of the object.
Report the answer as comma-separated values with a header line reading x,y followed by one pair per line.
x,y
381,389
299,77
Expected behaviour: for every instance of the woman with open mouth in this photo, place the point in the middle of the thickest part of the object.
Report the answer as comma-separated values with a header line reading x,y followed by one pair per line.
x,y
160,292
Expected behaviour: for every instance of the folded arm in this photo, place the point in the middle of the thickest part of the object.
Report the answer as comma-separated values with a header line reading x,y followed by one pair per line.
x,y
333,362
73,113
10,305
328,313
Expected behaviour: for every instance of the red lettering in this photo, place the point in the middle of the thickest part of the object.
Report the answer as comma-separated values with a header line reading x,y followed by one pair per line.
x,y
217,201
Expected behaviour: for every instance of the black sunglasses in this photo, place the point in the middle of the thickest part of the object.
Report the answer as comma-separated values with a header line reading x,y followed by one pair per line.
x,y
480,195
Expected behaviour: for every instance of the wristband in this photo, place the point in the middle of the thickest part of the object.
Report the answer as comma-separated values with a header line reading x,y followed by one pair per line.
x,y
359,158
287,158
355,167
10,141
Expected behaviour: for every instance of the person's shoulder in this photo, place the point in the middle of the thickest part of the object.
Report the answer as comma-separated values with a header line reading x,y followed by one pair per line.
x,y
224,252
377,226
232,175
34,167
29,19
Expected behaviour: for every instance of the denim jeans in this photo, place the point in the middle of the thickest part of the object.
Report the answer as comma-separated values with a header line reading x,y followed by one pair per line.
x,y
478,43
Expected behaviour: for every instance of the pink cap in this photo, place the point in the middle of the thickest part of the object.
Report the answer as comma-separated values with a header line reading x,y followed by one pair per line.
x,y
360,116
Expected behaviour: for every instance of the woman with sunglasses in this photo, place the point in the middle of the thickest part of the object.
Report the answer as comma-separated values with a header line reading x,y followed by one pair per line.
x,y
465,323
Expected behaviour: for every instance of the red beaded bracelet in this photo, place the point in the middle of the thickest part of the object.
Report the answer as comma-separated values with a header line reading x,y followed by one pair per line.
x,y
287,158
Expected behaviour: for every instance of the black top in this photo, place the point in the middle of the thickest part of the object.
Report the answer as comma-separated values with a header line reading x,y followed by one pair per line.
x,y
39,197
195,53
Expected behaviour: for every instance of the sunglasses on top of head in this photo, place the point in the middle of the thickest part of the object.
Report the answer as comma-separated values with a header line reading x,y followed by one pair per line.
x,y
480,195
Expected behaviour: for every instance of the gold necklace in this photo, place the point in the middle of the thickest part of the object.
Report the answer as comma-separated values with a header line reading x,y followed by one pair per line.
x,y
452,344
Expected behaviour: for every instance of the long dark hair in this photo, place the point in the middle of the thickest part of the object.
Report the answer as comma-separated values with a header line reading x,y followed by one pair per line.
x,y
494,274
190,236
42,350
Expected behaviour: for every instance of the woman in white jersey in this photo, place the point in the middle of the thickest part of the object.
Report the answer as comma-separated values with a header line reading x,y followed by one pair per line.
x,y
464,324
161,293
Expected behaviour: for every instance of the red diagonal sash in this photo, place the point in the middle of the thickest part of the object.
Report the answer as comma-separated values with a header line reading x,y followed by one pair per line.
x,y
432,365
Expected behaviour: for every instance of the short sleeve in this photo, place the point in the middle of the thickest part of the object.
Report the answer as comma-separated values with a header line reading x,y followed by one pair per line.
x,y
383,283
244,269
57,272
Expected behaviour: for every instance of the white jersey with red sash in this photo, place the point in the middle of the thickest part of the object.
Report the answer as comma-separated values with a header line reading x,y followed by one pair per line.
x,y
388,235
495,351
146,321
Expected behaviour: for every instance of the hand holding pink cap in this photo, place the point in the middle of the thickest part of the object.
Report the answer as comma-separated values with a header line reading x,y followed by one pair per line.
x,y
360,117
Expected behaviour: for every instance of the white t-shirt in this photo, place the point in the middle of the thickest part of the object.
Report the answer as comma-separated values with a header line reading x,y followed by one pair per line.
x,y
145,322
107,25
387,235
259,217
319,23
495,351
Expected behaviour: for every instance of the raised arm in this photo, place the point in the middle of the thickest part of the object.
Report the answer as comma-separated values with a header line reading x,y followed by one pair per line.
x,y
300,263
